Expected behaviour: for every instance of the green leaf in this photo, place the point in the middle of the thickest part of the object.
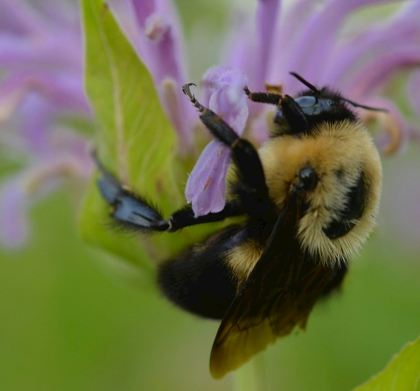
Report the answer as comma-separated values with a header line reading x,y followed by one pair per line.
x,y
134,139
401,374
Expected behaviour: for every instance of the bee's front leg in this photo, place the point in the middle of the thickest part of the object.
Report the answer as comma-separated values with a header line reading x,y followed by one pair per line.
x,y
252,188
272,98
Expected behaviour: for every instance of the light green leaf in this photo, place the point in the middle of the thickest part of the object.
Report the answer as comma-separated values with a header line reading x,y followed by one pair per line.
x,y
134,139
401,374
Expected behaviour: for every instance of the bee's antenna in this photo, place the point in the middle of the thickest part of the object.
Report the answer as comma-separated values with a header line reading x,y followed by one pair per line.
x,y
186,89
355,104
305,82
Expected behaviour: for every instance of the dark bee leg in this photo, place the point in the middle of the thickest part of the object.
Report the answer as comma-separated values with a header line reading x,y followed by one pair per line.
x,y
253,189
263,97
185,217
291,111
133,212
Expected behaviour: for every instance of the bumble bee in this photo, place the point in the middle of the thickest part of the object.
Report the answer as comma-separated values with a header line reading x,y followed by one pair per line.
x,y
309,197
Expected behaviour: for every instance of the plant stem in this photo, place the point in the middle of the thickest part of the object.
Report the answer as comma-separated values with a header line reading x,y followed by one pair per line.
x,y
250,377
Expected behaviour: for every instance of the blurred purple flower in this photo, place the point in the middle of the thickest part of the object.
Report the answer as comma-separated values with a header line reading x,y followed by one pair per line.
x,y
160,45
41,80
40,84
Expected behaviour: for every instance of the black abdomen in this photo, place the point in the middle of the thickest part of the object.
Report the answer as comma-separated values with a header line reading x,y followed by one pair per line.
x,y
198,279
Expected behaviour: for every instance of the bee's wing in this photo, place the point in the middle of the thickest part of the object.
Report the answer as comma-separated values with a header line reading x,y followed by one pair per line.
x,y
278,295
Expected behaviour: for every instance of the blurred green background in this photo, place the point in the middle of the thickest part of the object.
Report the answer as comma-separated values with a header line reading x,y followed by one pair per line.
x,y
70,320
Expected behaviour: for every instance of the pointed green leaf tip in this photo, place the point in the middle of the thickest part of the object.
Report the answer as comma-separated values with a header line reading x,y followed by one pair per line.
x,y
401,374
134,138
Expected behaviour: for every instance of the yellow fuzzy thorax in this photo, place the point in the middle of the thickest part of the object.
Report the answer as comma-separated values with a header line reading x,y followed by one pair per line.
x,y
345,148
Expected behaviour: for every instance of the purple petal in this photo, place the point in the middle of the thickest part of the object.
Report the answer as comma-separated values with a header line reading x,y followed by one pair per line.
x,y
143,9
317,39
380,70
206,185
41,79
36,118
240,53
225,89
13,214
161,40
161,48
64,91
18,17
285,37
57,14
179,112
251,52
57,51
353,56
239,47
18,193
267,16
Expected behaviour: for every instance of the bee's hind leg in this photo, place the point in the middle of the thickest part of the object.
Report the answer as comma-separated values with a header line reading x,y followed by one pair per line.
x,y
129,210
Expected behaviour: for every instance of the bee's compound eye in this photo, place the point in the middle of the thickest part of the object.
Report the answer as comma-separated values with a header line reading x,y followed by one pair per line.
x,y
308,179
306,101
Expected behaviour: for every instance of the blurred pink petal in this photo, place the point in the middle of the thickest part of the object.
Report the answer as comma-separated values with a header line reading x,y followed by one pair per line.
x,y
17,17
379,71
35,117
286,36
352,56
20,192
241,53
17,53
239,46
41,80
63,90
251,52
161,40
266,19
318,38
161,47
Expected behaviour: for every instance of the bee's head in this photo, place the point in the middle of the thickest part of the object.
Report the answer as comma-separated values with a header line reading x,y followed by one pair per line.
x,y
302,114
